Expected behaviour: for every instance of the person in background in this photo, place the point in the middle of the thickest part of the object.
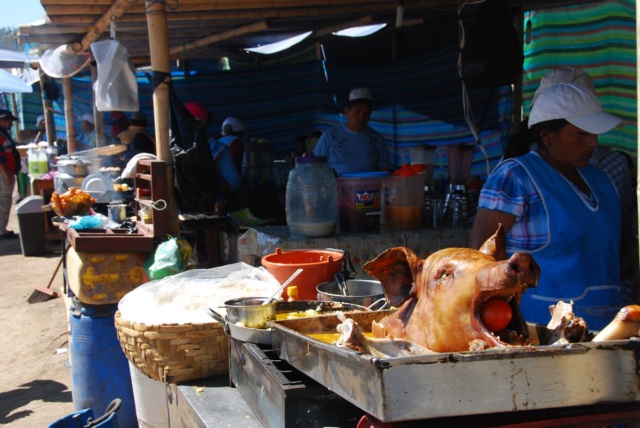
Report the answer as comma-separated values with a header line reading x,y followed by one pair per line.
x,y
9,167
120,123
354,146
86,140
312,140
230,180
564,211
301,147
41,129
136,136
233,135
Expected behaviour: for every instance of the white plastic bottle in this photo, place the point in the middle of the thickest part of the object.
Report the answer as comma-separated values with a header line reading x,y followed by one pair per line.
x,y
34,165
43,161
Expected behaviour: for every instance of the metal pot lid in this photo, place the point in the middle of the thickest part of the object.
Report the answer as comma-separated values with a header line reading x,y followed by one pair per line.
x,y
73,162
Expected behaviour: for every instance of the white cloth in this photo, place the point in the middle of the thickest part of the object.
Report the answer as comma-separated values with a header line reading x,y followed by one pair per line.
x,y
130,169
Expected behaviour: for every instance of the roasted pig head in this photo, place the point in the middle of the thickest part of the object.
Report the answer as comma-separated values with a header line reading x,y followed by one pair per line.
x,y
442,299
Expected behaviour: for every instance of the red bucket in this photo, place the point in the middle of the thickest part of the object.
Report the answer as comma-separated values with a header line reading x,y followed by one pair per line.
x,y
319,266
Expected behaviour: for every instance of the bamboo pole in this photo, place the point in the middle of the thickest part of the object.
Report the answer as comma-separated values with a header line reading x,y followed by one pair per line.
x,y
159,52
67,91
98,117
247,29
115,11
14,109
47,108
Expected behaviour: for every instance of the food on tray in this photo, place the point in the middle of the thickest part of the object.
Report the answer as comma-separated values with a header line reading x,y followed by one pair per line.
x,y
352,337
121,187
565,327
626,324
71,203
440,299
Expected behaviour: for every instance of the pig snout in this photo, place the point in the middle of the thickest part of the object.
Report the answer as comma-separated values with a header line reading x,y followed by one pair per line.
x,y
524,269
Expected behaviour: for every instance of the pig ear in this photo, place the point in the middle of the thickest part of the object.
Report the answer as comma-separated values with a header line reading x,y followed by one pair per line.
x,y
396,269
496,245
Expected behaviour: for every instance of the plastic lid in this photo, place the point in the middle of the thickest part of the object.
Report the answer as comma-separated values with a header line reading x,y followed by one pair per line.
x,y
311,159
408,170
368,174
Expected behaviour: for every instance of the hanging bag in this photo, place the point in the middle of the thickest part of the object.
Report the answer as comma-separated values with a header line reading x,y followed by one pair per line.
x,y
196,175
116,87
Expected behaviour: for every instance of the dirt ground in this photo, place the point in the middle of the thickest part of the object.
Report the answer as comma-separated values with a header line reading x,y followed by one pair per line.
x,y
36,378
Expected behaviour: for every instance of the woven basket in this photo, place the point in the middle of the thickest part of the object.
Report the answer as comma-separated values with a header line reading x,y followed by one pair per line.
x,y
174,353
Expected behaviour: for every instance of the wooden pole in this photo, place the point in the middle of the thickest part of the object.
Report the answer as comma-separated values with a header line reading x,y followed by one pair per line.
x,y
48,112
160,65
247,29
101,25
98,117
67,91
14,109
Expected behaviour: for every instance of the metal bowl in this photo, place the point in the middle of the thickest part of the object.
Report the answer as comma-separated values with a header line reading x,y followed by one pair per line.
x,y
250,311
361,292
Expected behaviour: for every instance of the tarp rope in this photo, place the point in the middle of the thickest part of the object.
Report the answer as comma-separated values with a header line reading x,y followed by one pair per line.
x,y
466,102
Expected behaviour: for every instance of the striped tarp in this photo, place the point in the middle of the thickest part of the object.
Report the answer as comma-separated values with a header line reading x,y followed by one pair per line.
x,y
417,101
598,37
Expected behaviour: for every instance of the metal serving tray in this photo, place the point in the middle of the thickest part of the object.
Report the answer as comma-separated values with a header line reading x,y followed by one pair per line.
x,y
461,383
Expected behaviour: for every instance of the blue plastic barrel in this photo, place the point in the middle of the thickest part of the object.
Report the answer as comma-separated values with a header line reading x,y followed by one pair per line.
x,y
99,368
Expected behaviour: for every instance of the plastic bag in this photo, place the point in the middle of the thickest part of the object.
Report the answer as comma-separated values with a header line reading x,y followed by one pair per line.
x,y
95,221
170,257
116,87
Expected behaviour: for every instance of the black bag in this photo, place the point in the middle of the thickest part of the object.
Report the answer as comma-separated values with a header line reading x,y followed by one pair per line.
x,y
196,175
492,54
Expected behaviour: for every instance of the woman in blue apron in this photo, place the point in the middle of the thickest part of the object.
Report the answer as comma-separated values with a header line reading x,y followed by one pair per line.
x,y
556,206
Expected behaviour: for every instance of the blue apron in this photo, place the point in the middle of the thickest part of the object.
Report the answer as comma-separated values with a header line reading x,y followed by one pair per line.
x,y
580,261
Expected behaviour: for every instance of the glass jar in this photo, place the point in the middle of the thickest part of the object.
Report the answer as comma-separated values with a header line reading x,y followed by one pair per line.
x,y
311,198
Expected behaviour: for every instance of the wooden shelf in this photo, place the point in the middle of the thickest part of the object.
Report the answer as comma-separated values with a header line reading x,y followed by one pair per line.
x,y
151,183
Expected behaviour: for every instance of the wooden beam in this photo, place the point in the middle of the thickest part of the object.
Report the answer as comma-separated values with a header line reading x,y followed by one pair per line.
x,y
366,20
159,50
117,10
67,91
247,29
247,15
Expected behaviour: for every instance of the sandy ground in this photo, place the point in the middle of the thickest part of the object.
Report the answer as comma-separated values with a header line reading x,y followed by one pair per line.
x,y
36,379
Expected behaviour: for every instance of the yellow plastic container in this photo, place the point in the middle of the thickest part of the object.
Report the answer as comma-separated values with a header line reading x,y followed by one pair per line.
x,y
104,278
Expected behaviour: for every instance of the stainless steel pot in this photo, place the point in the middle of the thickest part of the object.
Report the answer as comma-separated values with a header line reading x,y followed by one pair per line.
x,y
74,167
263,336
361,292
250,311
117,212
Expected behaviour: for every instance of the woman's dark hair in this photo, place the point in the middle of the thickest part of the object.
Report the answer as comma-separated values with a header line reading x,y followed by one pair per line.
x,y
526,139
519,142
554,125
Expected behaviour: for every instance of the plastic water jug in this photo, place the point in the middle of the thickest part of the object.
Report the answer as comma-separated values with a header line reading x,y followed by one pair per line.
x,y
311,198
43,161
34,164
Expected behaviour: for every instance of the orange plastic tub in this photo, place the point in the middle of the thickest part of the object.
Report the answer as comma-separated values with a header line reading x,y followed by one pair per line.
x,y
319,266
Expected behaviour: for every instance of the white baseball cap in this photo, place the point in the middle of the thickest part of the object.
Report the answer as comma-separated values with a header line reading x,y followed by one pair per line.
x,y
88,117
564,75
576,104
233,124
360,94
39,119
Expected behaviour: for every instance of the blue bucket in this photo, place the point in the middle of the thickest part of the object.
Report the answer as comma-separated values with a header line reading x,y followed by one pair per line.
x,y
84,418
99,368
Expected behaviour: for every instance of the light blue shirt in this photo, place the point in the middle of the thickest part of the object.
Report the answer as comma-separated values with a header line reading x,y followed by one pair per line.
x,y
349,151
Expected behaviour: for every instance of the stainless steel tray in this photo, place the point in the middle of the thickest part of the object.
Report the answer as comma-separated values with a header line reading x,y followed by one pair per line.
x,y
461,383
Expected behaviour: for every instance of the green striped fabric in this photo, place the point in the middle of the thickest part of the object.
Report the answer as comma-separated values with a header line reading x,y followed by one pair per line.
x,y
599,38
